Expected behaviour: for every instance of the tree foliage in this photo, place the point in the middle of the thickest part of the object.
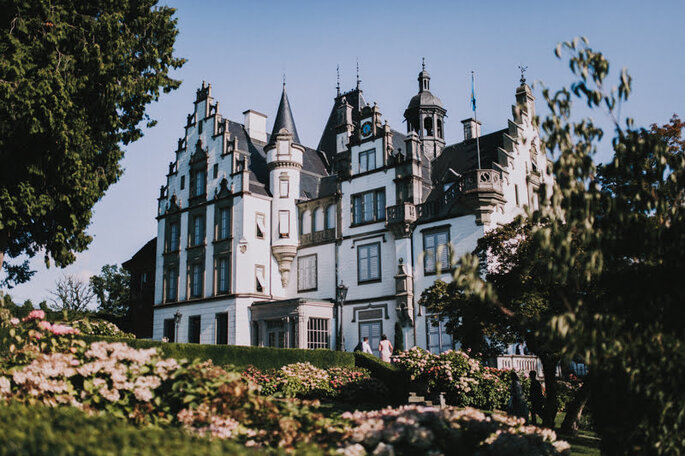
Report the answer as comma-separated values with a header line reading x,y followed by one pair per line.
x,y
604,259
75,78
111,289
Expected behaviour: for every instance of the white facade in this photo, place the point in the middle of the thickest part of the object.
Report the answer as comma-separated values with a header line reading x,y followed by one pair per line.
x,y
257,231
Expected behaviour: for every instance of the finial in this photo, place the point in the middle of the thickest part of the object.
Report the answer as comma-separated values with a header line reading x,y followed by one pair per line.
x,y
358,80
523,76
283,80
423,64
338,79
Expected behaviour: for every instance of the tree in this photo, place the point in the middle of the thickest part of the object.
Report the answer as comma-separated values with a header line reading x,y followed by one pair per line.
x,y
75,79
111,288
612,242
71,294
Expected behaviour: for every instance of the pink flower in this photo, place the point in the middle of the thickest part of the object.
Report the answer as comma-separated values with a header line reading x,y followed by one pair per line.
x,y
45,325
14,321
35,315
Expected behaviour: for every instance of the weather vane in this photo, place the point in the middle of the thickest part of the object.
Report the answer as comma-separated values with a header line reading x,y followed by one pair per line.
x,y
358,80
523,69
338,85
423,63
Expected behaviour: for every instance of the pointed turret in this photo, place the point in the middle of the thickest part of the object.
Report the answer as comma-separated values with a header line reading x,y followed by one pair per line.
x,y
284,119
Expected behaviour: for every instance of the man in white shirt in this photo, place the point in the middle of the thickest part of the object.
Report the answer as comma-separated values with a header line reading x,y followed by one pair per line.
x,y
366,347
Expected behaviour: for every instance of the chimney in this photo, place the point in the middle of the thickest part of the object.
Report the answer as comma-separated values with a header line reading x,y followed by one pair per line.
x,y
255,125
471,128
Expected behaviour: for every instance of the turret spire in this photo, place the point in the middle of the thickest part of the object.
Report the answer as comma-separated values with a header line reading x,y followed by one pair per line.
x,y
284,118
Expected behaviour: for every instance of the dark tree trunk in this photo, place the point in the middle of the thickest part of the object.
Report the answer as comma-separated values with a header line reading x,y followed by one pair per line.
x,y
574,410
4,242
549,369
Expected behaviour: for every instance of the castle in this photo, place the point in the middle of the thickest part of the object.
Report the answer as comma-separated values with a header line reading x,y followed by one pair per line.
x,y
265,241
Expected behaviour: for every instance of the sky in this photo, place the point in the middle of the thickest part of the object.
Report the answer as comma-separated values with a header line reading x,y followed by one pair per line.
x,y
243,48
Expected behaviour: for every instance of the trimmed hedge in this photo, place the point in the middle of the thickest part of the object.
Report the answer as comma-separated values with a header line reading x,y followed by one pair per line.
x,y
39,430
396,379
241,356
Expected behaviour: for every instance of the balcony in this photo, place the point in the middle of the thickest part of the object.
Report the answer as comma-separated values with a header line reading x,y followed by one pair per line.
x,y
482,180
317,237
401,213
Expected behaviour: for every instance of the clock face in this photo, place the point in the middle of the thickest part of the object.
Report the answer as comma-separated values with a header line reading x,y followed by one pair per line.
x,y
366,129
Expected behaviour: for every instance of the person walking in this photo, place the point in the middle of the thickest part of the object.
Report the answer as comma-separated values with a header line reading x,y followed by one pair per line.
x,y
366,346
517,405
385,349
537,399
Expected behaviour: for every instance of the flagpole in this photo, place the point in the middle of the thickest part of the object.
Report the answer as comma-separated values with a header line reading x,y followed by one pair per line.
x,y
475,115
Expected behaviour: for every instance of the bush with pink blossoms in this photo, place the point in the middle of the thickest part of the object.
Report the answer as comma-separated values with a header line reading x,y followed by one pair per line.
x,y
412,430
465,380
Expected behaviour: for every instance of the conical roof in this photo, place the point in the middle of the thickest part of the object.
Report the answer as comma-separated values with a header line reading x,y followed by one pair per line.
x,y
284,119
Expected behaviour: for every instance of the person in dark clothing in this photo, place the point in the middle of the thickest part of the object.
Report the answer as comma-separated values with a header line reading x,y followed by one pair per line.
x,y
517,402
537,399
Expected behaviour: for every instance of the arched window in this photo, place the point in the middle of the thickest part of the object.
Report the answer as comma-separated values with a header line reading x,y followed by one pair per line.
x,y
306,222
428,126
439,128
330,216
317,219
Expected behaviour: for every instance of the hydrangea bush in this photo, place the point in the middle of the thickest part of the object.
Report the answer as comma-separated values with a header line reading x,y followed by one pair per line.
x,y
411,430
465,380
306,381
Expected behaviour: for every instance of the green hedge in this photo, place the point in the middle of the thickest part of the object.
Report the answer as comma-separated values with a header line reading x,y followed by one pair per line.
x,y
396,379
39,430
240,356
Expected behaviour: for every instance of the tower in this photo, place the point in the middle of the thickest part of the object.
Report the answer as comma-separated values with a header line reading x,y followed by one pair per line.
x,y
425,116
284,156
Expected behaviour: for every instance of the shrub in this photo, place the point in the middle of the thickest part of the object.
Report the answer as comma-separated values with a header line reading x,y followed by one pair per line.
x,y
414,430
38,430
395,379
97,327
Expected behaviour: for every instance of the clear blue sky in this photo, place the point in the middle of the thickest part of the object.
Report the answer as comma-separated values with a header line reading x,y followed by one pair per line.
x,y
244,47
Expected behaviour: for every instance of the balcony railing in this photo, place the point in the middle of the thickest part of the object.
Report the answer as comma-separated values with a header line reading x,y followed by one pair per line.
x,y
479,180
401,213
317,237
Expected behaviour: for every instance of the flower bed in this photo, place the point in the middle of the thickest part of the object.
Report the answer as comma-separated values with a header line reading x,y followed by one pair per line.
x,y
464,380
306,381
414,430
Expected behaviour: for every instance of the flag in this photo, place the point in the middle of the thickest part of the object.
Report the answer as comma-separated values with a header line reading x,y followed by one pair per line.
x,y
473,94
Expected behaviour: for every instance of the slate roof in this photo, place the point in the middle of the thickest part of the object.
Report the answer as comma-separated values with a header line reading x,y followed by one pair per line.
x,y
284,118
327,142
463,156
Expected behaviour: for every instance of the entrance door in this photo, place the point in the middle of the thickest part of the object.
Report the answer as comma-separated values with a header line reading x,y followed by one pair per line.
x,y
372,330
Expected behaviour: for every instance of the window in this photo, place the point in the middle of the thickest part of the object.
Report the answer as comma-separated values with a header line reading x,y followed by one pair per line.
x,y
199,126
216,170
223,223
439,128
260,280
516,193
317,219
317,333
198,237
284,187
368,207
306,222
306,273
221,322
438,338
200,182
436,250
183,182
330,216
369,262
172,284
372,330
222,275
170,329
367,160
261,225
283,224
196,280
194,329
428,126
173,237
